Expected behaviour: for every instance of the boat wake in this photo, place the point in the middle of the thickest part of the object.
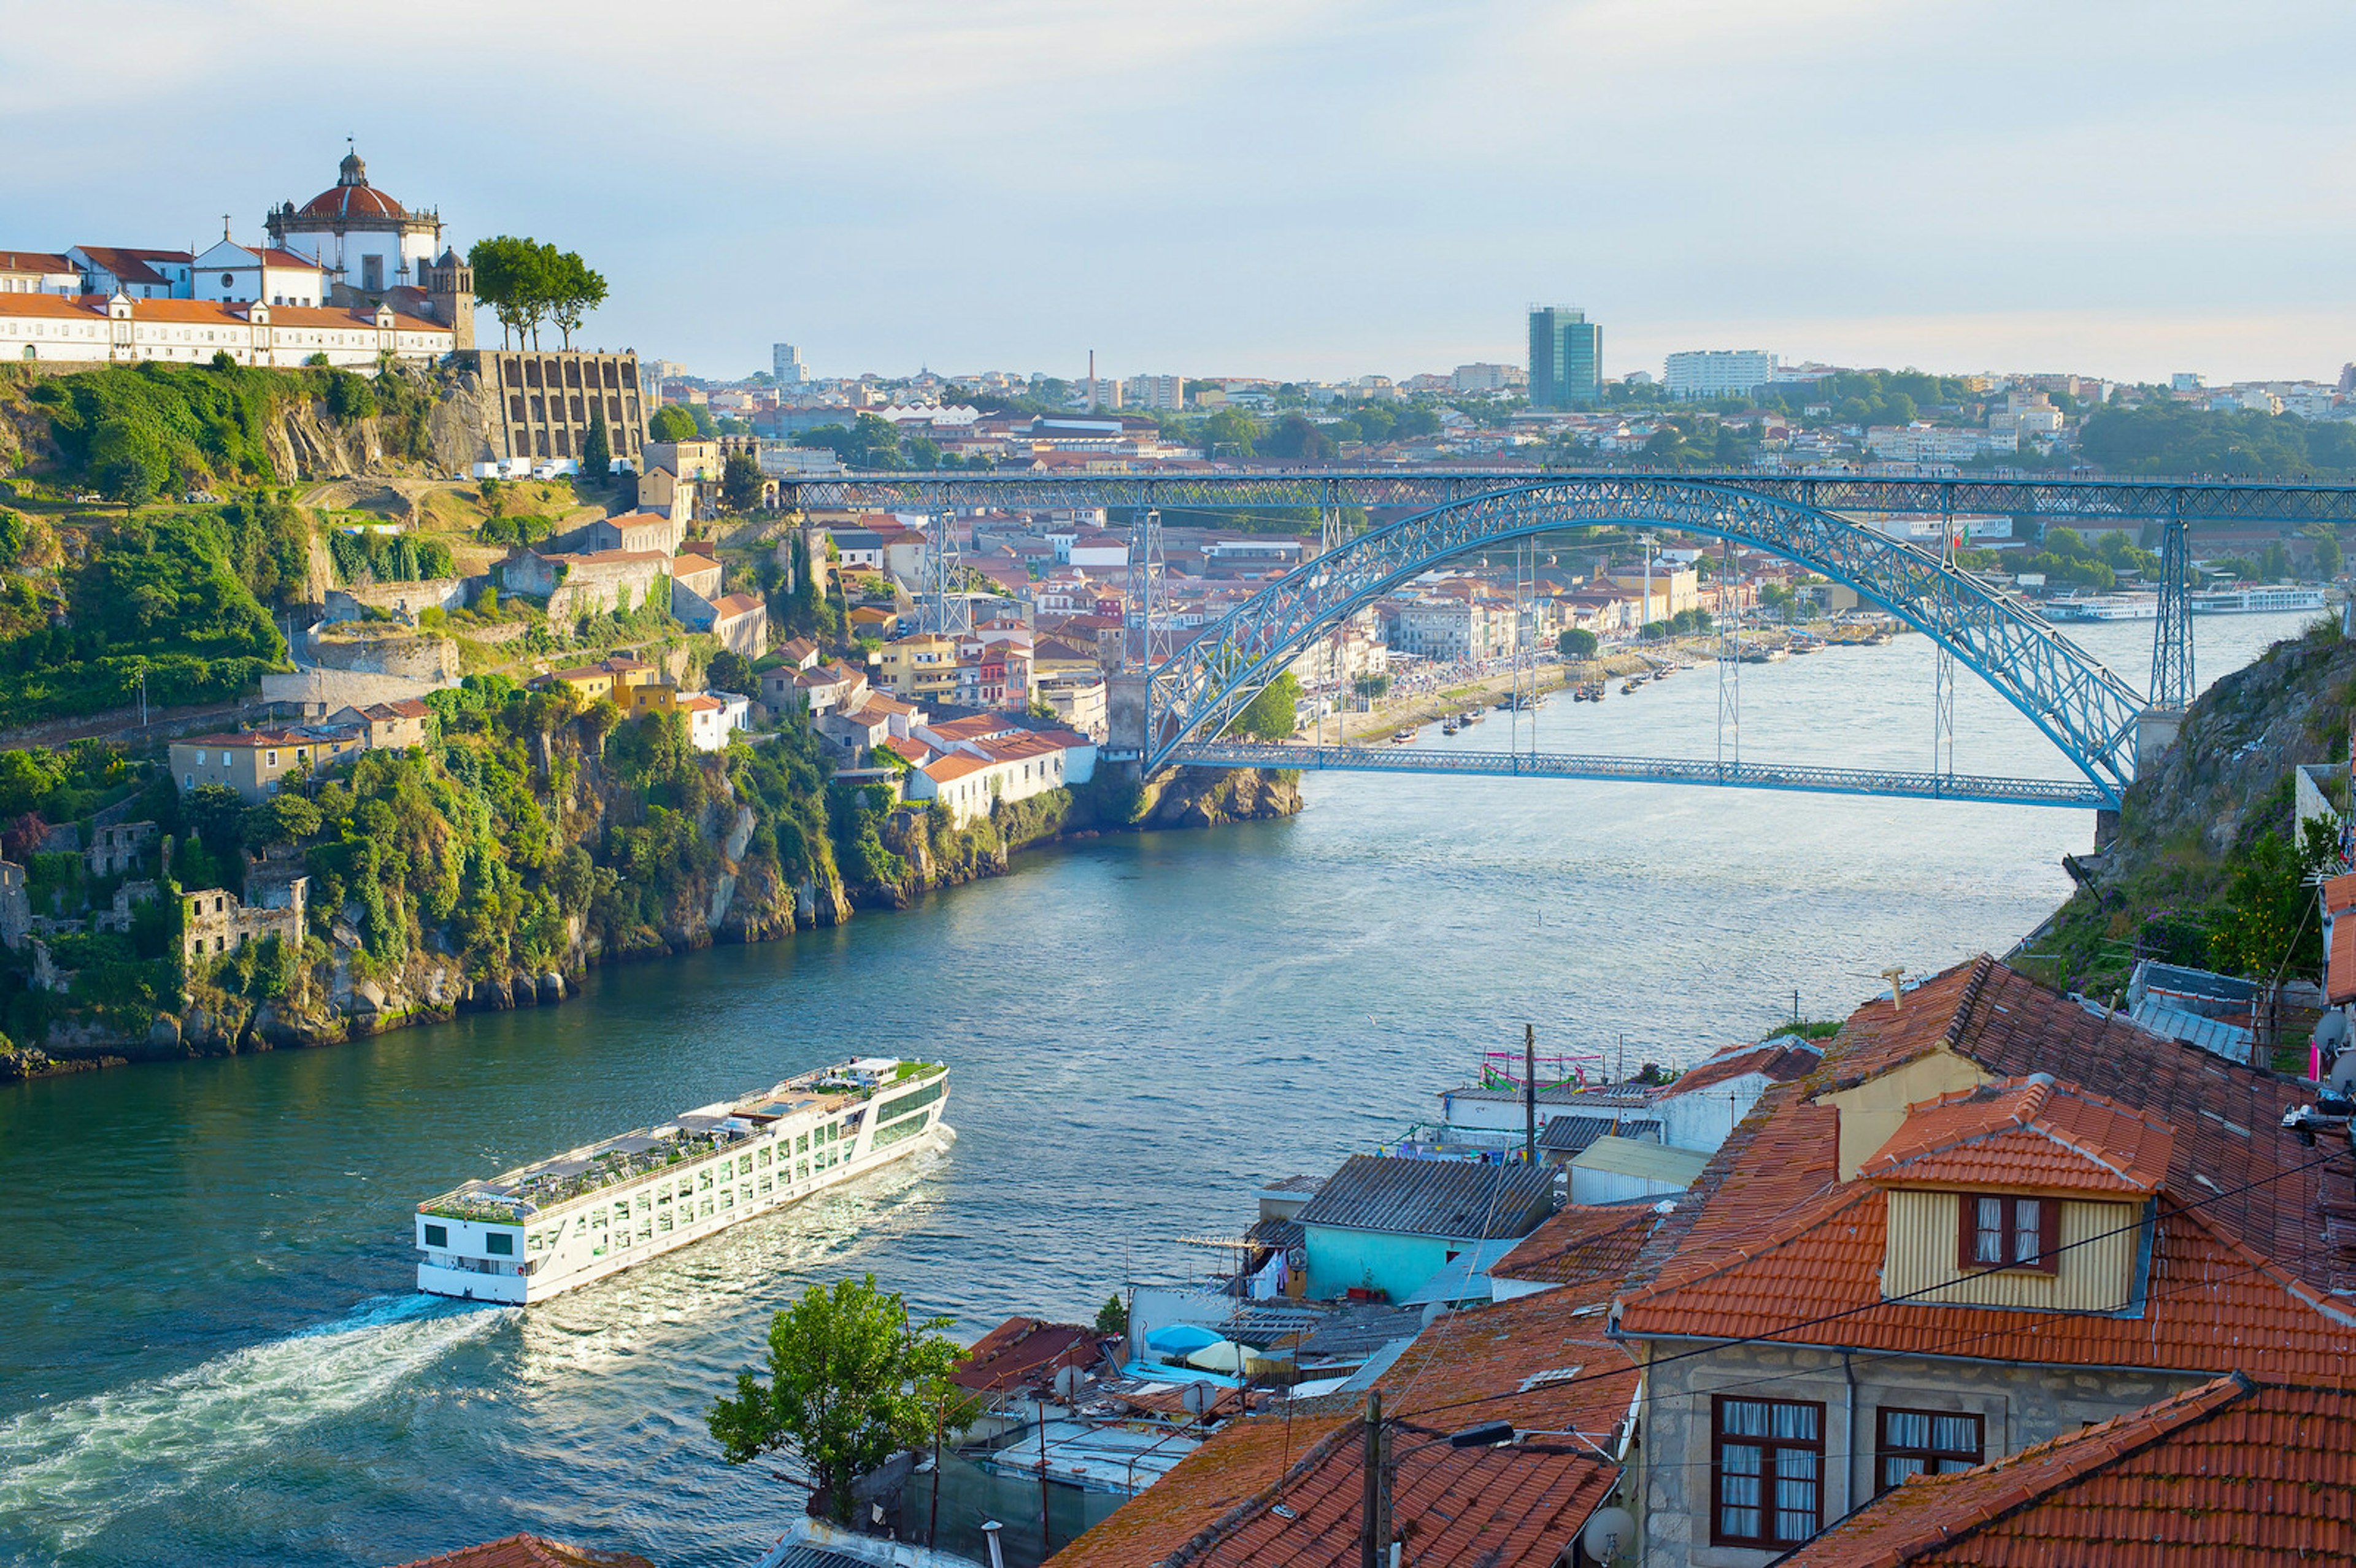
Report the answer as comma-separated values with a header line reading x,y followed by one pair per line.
x,y
67,1472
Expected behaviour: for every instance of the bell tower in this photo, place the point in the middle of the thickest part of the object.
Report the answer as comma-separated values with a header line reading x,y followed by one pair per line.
x,y
450,293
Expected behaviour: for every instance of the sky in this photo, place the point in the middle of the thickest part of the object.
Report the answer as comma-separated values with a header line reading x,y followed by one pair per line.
x,y
1302,188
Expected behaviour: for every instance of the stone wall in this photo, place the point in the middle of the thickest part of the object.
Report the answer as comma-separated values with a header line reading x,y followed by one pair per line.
x,y
434,660
316,693
2018,1404
402,598
216,922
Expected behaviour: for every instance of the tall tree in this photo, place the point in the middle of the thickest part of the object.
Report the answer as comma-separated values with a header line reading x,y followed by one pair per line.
x,y
575,290
740,481
847,1374
596,447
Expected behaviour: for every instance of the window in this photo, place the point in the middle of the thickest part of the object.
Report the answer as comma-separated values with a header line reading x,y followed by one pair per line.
x,y
1767,1458
437,1236
1923,1442
1997,1230
499,1244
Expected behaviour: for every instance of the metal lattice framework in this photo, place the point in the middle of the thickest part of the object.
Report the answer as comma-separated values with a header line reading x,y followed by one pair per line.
x,y
1916,786
2088,501
2087,712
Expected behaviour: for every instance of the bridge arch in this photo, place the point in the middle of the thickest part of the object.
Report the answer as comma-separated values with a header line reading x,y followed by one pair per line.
x,y
2087,712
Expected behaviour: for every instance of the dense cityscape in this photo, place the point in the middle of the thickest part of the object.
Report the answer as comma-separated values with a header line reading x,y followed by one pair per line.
x,y
1701,956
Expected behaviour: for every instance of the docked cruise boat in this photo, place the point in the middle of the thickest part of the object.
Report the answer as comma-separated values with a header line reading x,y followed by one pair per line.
x,y
2256,599
540,1229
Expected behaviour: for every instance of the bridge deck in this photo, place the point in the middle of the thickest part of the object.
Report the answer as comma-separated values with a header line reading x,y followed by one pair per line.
x,y
2078,795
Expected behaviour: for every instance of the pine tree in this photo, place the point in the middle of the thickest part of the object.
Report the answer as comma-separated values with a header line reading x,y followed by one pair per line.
x,y
597,450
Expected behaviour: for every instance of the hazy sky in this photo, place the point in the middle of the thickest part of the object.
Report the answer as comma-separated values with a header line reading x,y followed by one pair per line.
x,y
1294,188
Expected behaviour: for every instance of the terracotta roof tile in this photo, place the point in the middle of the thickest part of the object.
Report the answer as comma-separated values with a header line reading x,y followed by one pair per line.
x,y
2259,1476
529,1551
1583,1245
1778,1059
1024,1351
2026,1134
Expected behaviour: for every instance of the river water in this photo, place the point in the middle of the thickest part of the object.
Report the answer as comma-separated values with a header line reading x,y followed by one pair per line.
x,y
213,1355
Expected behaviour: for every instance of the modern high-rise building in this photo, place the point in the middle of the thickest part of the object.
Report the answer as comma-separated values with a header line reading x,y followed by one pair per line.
x,y
788,365
1566,358
1719,372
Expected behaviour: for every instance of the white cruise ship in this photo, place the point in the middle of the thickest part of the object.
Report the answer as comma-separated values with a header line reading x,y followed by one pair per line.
x,y
2255,599
542,1228
2104,607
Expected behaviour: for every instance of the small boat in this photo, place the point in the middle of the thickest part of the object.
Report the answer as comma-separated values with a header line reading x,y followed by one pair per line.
x,y
1401,737
1449,728
1470,716
1628,687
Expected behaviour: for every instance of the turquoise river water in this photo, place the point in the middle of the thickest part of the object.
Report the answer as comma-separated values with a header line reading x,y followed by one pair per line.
x,y
212,1353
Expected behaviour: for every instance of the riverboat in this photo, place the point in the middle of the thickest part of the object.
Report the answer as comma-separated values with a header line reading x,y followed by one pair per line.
x,y
1401,737
540,1229
2104,607
2255,599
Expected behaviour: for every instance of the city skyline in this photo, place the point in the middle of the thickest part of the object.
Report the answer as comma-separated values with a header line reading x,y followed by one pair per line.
x,y
2010,189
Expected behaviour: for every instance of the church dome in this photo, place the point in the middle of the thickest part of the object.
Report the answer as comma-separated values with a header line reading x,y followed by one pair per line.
x,y
352,196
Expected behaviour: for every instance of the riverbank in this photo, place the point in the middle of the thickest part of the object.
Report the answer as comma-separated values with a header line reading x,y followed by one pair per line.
x,y
712,875
1437,706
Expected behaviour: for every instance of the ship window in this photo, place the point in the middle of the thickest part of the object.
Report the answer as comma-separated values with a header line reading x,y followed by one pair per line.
x,y
645,1203
598,1218
662,1221
801,1144
764,1185
728,1198
437,1236
705,1209
765,1160
500,1244
801,1170
706,1183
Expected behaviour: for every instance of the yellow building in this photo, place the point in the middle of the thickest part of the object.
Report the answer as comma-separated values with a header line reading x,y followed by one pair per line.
x,y
924,666
614,678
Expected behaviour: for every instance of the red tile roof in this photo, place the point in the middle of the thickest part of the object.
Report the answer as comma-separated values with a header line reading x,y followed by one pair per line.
x,y
2029,1133
1582,1243
33,262
1025,1352
529,1551
1778,1060
54,307
2339,893
2259,1476
2339,964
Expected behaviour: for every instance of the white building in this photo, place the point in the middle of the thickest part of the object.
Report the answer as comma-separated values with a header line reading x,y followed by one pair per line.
x,y
975,775
236,274
713,716
786,365
123,331
1453,630
1719,372
37,273
110,270
360,236
1931,443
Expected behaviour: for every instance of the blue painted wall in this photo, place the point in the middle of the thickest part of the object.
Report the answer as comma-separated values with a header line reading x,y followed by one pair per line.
x,y
1341,1259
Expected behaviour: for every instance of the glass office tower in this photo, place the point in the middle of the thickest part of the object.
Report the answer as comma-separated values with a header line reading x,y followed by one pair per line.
x,y
1566,358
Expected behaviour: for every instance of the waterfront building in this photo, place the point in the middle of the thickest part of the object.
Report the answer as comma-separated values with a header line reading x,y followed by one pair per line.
x,y
1566,358
1385,1226
1717,372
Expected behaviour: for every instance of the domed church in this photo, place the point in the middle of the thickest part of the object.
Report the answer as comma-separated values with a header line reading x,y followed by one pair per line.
x,y
367,241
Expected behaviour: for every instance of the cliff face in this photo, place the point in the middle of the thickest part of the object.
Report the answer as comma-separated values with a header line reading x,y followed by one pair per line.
x,y
2194,822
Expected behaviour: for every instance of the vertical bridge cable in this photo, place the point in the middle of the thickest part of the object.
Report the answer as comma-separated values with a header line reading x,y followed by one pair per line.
x,y
1942,697
1729,661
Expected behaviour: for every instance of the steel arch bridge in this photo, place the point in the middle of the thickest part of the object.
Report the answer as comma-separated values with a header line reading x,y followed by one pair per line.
x,y
2088,712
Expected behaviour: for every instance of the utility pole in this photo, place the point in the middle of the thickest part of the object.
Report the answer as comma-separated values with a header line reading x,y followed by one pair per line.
x,y
1371,1522
1529,1095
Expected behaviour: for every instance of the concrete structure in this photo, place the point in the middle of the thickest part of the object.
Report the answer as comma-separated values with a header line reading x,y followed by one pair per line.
x,y
920,668
546,399
1717,372
741,621
1453,630
215,923
118,847
786,365
577,585
635,531
1079,700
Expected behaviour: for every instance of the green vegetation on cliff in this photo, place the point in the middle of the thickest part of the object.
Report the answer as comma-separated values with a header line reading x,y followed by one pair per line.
x,y
2210,867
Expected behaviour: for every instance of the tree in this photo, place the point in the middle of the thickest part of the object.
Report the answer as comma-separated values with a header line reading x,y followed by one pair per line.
x,y
730,671
1274,714
573,289
2327,555
849,1376
285,818
2267,922
218,814
511,276
1112,1318
596,447
1575,643
672,422
740,481
1295,437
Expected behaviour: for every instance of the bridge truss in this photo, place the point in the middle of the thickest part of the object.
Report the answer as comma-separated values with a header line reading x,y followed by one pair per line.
x,y
2087,712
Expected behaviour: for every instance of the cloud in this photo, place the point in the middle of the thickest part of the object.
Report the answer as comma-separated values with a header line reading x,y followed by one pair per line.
x,y
1320,187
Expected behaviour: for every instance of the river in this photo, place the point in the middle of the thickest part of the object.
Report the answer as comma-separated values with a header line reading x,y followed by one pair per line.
x,y
213,1354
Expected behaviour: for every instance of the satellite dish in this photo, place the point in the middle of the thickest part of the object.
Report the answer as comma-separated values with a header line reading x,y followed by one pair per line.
x,y
1067,1382
2331,1034
1198,1398
1610,1533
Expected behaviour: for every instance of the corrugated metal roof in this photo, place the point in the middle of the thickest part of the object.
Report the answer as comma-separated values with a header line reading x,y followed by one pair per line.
x,y
1571,1134
1449,1198
1464,1278
1650,1161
